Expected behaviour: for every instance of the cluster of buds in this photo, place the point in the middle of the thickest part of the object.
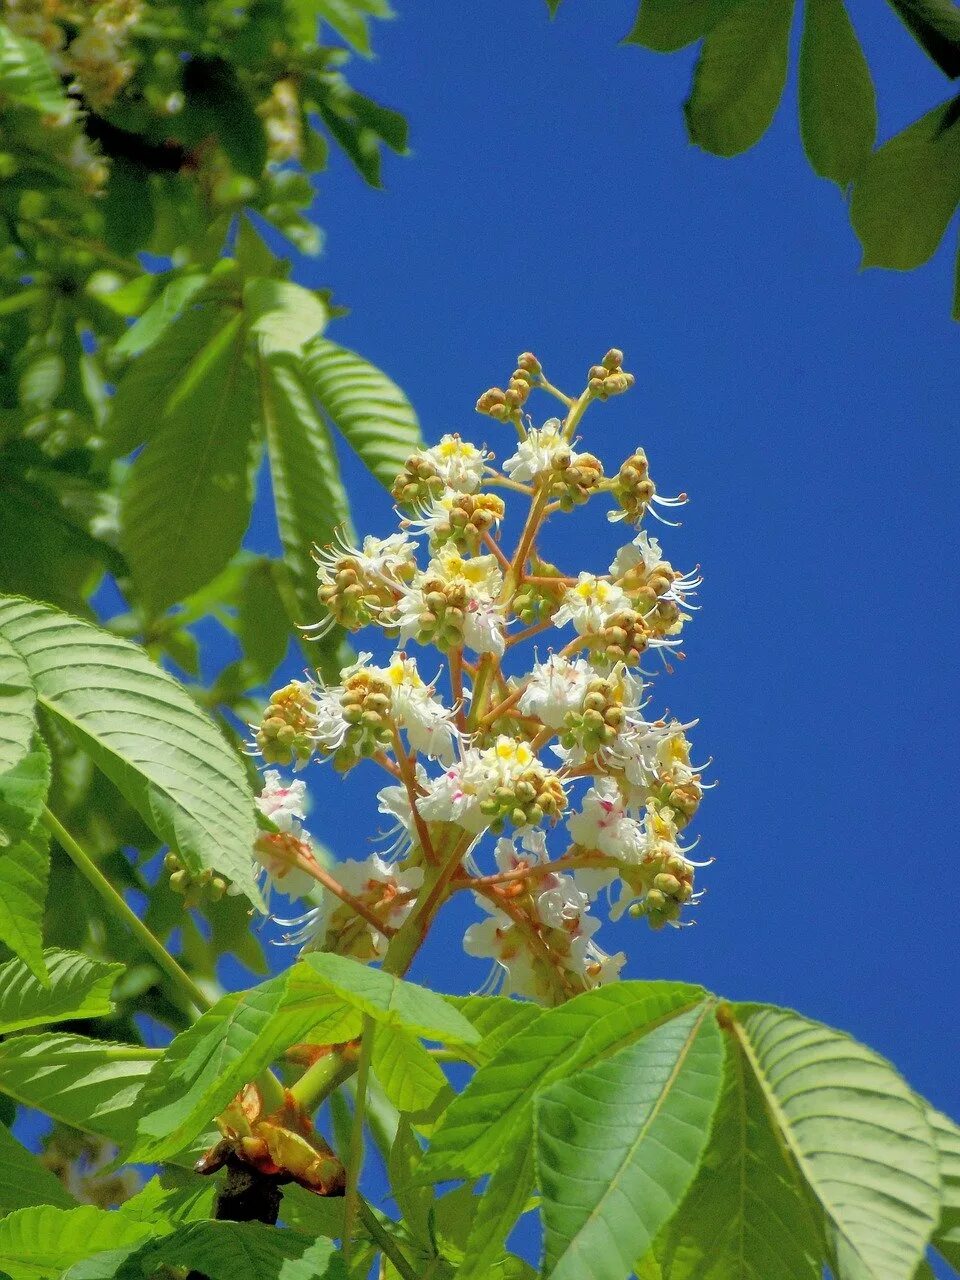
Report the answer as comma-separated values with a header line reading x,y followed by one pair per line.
x,y
282,122
194,888
608,378
287,731
98,56
506,405
491,750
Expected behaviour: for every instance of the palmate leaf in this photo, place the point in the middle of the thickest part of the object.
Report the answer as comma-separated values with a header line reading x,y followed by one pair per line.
x,y
739,78
186,499
24,1181
907,192
838,104
859,1138
745,1217
367,408
617,1145
73,987
496,1108
221,1251
90,1084
144,732
410,1078
40,1243
24,857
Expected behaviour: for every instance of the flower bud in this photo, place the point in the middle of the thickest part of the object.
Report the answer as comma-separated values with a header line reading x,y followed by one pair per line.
x,y
286,734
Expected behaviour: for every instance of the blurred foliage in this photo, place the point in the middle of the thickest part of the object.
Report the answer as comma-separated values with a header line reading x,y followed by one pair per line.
x,y
903,194
153,353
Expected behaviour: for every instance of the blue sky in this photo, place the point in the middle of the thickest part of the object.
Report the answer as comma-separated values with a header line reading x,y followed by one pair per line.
x,y
551,202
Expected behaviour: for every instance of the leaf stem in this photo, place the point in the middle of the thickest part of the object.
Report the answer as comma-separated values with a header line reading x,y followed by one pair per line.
x,y
326,1074
387,1246
152,945
351,1204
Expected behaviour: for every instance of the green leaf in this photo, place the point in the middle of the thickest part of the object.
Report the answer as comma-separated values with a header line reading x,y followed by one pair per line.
x,y
349,18
935,25
739,78
617,1145
906,193
308,494
946,1237
745,1216
496,1108
665,25
17,707
367,408
859,1138
23,792
955,311
157,318
261,620
390,1001
39,1243
553,6
282,316
501,1204
24,876
144,732
838,104
89,1084
411,1079
127,206
217,103
26,77
497,1018
74,987
227,1250
24,1181
186,499
142,396
208,1064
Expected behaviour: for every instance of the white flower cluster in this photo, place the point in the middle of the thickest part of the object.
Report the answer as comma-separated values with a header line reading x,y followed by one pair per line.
x,y
487,750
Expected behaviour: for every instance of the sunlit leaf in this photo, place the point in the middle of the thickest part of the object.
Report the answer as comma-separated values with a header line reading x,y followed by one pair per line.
x,y
144,732
618,1143
73,987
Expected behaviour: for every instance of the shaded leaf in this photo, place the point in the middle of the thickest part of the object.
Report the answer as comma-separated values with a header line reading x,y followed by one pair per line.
x,y
160,314
497,1018
665,26
935,25
906,193
73,987
24,875
618,1143
946,1237
26,77
24,1181
496,1106
23,792
858,1135
308,494
367,408
186,500
739,78
144,732
838,104
502,1203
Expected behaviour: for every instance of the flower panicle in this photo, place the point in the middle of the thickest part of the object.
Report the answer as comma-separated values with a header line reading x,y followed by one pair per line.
x,y
492,759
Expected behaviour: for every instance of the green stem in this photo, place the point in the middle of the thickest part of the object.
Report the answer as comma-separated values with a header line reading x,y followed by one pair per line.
x,y
386,1245
320,1080
351,1204
153,946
